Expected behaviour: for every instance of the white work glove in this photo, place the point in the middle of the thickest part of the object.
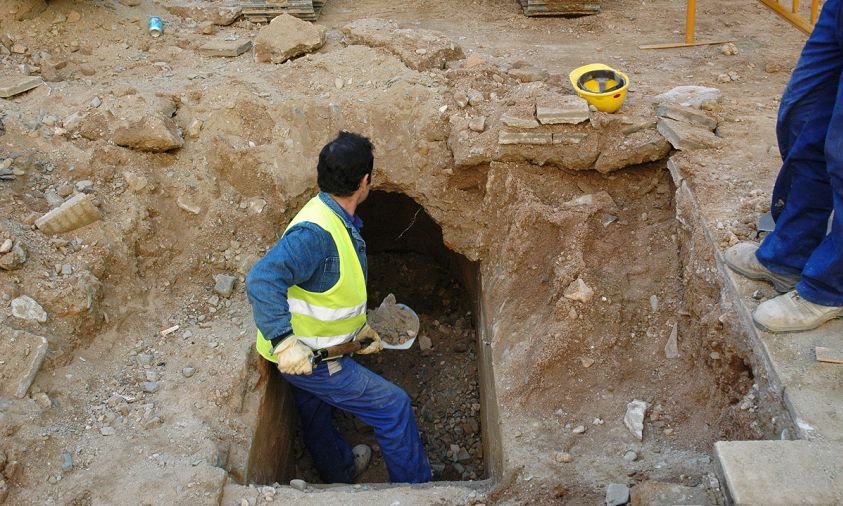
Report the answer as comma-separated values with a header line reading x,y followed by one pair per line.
x,y
293,356
368,332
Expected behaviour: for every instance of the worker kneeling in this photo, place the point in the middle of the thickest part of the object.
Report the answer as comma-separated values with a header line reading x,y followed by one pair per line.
x,y
309,292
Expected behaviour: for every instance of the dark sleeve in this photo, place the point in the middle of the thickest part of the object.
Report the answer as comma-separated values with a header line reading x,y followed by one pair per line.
x,y
293,260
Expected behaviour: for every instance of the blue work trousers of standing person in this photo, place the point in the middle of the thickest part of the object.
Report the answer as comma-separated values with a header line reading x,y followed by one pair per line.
x,y
810,183
375,401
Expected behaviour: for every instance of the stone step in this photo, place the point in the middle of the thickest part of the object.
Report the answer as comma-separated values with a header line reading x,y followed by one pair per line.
x,y
781,473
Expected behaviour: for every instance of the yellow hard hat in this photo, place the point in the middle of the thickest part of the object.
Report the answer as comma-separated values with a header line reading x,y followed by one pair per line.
x,y
600,85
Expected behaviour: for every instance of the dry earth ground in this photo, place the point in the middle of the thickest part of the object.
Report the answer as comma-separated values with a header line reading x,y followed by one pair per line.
x,y
149,263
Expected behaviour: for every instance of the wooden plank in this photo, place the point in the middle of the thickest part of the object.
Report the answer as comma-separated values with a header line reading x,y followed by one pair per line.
x,y
829,355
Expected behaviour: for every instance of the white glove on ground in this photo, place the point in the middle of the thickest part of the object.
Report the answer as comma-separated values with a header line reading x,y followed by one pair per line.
x,y
293,356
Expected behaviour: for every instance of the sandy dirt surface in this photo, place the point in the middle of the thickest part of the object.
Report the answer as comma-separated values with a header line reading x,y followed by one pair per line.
x,y
121,414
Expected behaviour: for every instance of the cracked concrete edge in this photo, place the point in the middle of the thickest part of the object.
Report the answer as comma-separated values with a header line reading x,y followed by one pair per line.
x,y
730,292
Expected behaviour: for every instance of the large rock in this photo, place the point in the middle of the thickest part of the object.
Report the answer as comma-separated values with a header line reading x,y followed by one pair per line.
x,y
153,132
23,353
76,212
418,49
634,418
287,37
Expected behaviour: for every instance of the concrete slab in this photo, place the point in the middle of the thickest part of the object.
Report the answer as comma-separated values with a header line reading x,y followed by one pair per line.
x,y
21,355
225,48
782,473
812,390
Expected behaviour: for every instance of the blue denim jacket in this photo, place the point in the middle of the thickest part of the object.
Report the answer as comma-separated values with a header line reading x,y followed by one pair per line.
x,y
305,256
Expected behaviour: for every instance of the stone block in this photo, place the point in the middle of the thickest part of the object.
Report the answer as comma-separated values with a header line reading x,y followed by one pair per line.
x,y
518,121
779,473
564,110
76,212
509,137
21,355
569,138
689,115
684,136
225,48
15,85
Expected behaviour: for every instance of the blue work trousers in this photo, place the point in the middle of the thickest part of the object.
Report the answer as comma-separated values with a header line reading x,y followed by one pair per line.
x,y
810,183
375,401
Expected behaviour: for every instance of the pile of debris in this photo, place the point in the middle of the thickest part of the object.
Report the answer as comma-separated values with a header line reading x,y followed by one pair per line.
x,y
560,7
263,11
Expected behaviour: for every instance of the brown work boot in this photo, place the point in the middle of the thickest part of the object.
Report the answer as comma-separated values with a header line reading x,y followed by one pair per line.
x,y
741,259
362,456
792,313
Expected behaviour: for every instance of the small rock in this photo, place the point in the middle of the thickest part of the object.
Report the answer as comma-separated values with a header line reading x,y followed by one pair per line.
x,y
630,456
42,400
6,246
477,123
299,485
206,28
188,372
107,431
84,186
73,17
757,295
224,284
461,99
150,387
654,303
338,83
671,348
564,457
144,358
14,259
634,418
66,461
579,429
421,50
617,494
579,291
425,343
772,68
26,308
729,49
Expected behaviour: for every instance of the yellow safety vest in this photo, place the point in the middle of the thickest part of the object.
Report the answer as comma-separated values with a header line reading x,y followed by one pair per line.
x,y
332,317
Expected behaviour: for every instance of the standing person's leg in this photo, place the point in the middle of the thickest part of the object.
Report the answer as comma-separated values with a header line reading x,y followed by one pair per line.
x,y
802,197
822,278
331,454
379,403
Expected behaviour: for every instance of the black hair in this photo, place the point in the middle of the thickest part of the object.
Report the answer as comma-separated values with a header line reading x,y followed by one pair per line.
x,y
343,162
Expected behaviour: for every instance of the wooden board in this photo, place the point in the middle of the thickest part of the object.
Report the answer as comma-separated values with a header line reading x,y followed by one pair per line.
x,y
559,7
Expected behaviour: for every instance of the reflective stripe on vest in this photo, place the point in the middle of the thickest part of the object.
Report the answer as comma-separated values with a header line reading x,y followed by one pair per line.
x,y
332,317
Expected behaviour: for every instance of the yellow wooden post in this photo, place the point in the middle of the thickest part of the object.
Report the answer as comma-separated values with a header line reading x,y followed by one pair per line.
x,y
815,7
795,8
690,21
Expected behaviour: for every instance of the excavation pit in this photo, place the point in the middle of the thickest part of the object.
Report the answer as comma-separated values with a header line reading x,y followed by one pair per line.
x,y
441,372
598,291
